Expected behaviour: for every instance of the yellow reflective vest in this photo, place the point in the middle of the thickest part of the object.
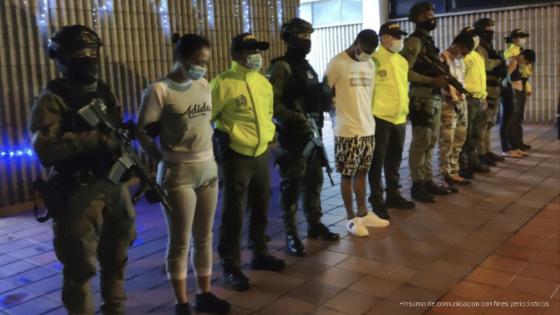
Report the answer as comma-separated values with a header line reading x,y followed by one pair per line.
x,y
512,51
242,107
475,75
390,95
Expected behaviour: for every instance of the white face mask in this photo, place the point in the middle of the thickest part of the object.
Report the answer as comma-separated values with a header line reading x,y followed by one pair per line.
x,y
254,62
476,40
363,57
397,45
195,72
522,41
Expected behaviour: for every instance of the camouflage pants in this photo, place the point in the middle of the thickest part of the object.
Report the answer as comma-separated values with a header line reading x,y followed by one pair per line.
x,y
97,225
425,134
489,116
300,177
453,132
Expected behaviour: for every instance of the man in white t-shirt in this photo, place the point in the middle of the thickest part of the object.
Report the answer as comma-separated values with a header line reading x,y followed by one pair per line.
x,y
350,75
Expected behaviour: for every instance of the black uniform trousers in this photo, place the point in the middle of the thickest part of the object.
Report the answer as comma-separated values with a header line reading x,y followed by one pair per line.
x,y
509,135
389,144
246,186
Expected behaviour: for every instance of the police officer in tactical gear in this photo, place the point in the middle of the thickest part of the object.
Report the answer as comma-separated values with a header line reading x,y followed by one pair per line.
x,y
496,71
298,96
93,218
425,101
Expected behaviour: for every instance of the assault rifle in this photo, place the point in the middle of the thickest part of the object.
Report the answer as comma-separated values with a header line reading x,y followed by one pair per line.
x,y
443,69
94,115
316,142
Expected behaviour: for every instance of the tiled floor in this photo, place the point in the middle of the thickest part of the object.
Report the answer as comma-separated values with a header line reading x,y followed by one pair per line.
x,y
473,246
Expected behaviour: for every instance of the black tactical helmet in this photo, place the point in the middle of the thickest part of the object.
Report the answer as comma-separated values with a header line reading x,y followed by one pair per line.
x,y
419,8
482,24
295,26
71,39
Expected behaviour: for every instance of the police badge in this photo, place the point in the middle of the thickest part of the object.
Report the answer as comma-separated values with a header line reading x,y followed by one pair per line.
x,y
240,101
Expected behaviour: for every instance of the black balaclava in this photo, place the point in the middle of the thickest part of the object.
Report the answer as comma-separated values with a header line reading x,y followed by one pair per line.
x,y
428,25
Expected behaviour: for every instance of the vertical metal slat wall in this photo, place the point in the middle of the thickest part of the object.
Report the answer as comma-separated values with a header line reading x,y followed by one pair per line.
x,y
137,50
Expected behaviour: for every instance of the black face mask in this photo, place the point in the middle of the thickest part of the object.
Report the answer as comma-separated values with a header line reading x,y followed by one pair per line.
x,y
428,25
487,35
299,46
83,70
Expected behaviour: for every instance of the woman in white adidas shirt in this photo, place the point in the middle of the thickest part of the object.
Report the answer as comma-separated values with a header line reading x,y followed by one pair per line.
x,y
177,109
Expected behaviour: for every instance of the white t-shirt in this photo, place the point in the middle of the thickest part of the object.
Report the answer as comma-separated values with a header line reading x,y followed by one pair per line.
x,y
184,112
353,83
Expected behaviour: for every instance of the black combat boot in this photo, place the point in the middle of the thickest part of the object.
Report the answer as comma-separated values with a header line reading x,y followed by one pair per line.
x,y
322,232
420,193
398,202
294,246
436,189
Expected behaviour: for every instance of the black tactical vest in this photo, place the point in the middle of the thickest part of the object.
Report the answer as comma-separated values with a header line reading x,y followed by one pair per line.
x,y
304,92
498,72
71,93
429,49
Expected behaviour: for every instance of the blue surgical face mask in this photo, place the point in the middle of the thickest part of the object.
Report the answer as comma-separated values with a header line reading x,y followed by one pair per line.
x,y
195,72
254,62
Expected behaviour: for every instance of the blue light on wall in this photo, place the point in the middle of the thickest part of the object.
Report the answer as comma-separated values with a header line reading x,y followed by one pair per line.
x,y
210,8
7,153
246,16
164,17
280,10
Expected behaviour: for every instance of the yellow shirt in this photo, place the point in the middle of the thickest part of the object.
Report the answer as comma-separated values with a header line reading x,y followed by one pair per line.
x,y
242,106
390,95
526,72
475,75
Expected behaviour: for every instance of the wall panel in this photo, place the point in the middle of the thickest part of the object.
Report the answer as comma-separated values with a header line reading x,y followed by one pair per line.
x,y
137,50
542,22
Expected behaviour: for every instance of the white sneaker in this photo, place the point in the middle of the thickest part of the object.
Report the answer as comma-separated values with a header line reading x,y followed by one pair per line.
x,y
372,220
356,227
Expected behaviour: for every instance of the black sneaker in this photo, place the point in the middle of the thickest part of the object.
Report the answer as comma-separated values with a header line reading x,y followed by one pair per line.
x,y
322,232
209,303
488,161
294,246
182,309
267,262
419,192
495,157
436,189
235,278
380,210
466,173
399,202
481,168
